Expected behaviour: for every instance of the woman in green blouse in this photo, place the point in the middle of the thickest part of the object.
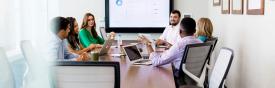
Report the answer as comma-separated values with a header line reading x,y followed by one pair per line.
x,y
87,33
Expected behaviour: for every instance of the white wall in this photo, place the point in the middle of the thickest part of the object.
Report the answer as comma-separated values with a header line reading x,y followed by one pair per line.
x,y
78,8
197,8
251,37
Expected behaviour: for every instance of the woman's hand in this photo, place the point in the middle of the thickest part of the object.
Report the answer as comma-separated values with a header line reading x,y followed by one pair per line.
x,y
83,57
92,47
112,35
98,46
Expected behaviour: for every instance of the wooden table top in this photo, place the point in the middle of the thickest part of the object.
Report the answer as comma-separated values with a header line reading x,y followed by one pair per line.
x,y
141,76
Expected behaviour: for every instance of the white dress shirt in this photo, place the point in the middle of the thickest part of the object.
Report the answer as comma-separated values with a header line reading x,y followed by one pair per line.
x,y
59,50
171,34
174,54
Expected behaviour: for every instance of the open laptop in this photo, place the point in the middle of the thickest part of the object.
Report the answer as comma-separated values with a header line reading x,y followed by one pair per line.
x,y
106,46
103,33
134,55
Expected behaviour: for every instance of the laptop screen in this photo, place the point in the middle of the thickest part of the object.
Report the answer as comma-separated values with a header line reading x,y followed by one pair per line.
x,y
132,52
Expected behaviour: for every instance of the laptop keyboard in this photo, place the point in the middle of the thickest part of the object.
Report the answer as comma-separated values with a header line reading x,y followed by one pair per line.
x,y
145,57
143,61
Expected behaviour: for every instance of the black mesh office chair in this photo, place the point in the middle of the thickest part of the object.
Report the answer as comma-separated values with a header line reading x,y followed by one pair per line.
x,y
193,64
213,41
220,70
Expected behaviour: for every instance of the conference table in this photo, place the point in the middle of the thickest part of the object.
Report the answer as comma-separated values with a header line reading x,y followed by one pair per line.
x,y
140,76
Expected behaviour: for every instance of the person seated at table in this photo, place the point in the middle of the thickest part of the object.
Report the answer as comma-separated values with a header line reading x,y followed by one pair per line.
x,y
205,29
74,45
60,28
171,33
175,53
87,33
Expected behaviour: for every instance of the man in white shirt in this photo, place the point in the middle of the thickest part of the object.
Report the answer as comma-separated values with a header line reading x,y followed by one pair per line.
x,y
60,28
175,53
171,33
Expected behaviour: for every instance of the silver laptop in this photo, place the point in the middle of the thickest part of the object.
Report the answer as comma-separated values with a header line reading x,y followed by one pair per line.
x,y
134,55
103,33
106,46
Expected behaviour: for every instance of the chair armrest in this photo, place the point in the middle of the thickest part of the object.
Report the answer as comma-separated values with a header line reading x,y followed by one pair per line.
x,y
200,80
189,73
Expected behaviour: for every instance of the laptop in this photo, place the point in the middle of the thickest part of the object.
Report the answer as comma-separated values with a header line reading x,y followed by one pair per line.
x,y
106,46
134,55
103,33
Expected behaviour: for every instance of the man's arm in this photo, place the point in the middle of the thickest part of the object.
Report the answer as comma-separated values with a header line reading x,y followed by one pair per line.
x,y
160,42
162,37
149,47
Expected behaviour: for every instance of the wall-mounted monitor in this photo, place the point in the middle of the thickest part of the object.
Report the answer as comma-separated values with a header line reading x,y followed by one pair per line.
x,y
131,16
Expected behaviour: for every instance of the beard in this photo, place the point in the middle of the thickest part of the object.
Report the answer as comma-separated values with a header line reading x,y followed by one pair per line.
x,y
174,23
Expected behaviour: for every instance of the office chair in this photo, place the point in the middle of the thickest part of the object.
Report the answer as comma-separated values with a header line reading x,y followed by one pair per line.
x,y
36,74
193,64
71,74
6,75
220,70
213,41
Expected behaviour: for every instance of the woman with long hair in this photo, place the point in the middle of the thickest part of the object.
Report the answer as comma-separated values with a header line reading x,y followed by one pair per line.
x,y
87,33
74,45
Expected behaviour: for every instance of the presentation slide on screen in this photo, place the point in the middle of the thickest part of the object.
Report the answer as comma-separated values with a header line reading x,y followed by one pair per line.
x,y
138,13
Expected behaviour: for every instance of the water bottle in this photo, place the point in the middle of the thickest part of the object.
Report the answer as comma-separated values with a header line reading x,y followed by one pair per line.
x,y
119,41
119,44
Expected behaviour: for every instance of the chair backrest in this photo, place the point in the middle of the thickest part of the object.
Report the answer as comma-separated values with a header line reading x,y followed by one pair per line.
x,y
6,75
37,72
221,68
69,74
30,55
213,40
195,57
